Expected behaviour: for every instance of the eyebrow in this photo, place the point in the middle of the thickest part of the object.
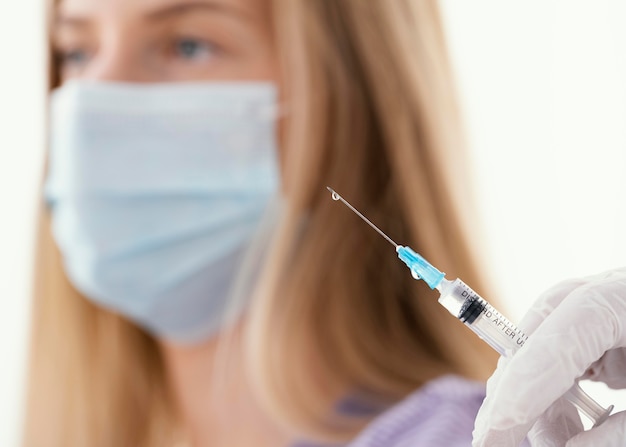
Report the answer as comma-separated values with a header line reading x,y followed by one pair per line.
x,y
70,21
180,8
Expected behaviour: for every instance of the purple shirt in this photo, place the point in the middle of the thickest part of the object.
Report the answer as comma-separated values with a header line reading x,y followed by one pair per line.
x,y
440,413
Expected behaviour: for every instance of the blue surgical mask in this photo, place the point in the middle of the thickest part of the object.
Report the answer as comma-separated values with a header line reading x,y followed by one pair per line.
x,y
156,191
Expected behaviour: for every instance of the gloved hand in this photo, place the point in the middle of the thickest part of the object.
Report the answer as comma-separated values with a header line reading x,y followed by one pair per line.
x,y
578,331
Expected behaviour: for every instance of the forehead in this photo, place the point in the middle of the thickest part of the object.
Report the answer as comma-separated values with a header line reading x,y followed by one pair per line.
x,y
103,9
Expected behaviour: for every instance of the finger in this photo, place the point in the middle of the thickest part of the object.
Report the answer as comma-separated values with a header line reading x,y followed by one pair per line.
x,y
547,302
609,369
483,435
501,438
552,429
556,426
610,434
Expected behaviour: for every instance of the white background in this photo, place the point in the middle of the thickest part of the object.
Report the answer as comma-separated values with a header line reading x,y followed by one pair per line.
x,y
543,88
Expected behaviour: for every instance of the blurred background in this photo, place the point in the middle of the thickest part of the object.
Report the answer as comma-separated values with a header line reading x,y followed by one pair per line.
x,y
543,90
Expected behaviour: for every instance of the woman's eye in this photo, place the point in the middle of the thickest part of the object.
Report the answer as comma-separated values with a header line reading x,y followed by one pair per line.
x,y
73,57
193,49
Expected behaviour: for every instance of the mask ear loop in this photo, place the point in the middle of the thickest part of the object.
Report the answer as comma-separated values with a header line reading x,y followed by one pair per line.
x,y
239,296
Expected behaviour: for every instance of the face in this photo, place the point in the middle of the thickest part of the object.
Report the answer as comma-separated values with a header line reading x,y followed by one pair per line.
x,y
164,40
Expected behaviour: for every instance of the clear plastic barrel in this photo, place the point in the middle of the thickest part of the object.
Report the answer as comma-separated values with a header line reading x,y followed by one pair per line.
x,y
503,336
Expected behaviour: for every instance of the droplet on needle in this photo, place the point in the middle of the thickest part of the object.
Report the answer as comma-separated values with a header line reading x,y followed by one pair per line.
x,y
336,196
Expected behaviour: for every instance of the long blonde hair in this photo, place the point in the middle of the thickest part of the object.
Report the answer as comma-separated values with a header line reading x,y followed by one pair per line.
x,y
372,114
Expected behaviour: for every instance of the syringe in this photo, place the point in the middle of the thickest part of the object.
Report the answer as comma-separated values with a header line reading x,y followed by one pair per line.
x,y
480,316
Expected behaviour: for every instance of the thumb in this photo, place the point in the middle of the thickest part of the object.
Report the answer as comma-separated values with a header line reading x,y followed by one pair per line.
x,y
610,434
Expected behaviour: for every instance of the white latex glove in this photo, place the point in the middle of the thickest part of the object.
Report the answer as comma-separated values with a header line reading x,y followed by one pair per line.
x,y
578,330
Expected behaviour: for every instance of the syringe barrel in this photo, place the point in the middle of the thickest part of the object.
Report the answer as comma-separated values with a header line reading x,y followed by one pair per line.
x,y
503,336
481,317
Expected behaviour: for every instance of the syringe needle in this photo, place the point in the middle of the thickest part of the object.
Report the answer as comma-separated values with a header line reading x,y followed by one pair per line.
x,y
336,196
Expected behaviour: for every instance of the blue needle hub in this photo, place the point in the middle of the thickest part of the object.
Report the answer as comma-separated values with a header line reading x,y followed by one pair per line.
x,y
420,267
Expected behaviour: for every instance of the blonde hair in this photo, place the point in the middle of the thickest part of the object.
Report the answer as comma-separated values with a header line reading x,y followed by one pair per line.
x,y
372,114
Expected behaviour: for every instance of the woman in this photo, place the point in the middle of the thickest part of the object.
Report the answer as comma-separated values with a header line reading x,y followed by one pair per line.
x,y
335,331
